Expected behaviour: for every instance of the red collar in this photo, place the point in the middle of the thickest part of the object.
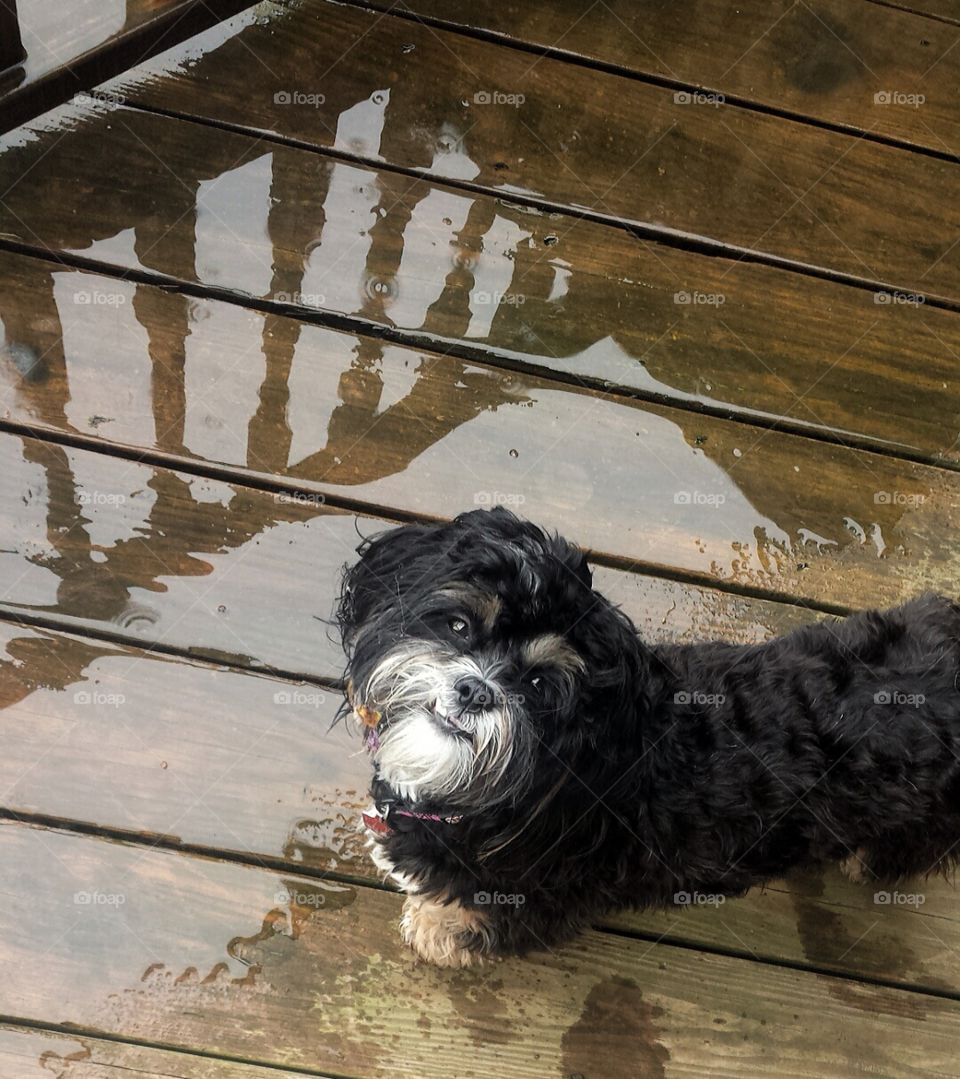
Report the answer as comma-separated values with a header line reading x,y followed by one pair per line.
x,y
376,819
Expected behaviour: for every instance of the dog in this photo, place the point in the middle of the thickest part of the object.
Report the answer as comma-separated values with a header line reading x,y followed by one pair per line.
x,y
538,765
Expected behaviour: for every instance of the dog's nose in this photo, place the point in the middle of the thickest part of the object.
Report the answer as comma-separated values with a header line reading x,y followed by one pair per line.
x,y
473,694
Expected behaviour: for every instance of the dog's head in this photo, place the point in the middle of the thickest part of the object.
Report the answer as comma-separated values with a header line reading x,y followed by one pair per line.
x,y
479,656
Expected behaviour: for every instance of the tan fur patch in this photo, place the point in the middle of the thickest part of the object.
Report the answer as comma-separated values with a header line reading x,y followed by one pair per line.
x,y
484,605
854,866
549,649
438,931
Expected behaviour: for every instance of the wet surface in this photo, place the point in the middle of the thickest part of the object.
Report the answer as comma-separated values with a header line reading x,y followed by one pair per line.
x,y
273,222
693,165
816,58
292,971
364,419
48,40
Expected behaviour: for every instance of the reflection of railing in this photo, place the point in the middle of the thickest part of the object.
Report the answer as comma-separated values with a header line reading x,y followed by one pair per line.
x,y
12,52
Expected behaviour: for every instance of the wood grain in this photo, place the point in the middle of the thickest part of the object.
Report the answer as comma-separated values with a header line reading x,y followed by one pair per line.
x,y
157,556
280,969
26,1053
468,271
618,148
361,419
823,59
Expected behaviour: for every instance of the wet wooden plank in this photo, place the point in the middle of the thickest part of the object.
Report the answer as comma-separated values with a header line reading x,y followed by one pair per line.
x,y
45,57
287,970
111,546
461,269
117,738
357,418
37,1054
618,148
824,59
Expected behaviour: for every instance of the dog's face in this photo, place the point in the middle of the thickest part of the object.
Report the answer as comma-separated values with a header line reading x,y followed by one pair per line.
x,y
472,652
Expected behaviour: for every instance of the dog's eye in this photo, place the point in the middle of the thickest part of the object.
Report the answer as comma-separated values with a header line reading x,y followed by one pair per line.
x,y
460,626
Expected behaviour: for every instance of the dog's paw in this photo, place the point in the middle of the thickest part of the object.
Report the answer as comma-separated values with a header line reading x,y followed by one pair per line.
x,y
445,934
854,867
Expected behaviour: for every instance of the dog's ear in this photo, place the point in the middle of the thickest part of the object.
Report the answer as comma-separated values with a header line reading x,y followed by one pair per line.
x,y
375,580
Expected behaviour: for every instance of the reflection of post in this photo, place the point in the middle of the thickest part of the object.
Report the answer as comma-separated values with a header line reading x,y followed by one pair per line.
x,y
12,51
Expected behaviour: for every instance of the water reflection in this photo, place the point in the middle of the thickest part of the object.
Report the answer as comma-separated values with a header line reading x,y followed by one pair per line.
x,y
350,414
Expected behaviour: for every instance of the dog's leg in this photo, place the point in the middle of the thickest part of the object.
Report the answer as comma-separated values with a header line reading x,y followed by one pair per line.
x,y
447,934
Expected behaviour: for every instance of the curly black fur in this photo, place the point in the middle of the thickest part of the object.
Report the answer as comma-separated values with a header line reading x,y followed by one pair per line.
x,y
659,770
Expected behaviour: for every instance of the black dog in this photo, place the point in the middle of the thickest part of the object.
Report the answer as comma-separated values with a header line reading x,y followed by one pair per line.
x,y
537,764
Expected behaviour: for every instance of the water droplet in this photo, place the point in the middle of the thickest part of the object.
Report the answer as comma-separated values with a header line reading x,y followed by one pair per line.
x,y
221,609
163,764
408,48
514,453
738,453
550,240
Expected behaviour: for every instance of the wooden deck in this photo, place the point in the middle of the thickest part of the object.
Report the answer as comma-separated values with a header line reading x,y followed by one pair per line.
x,y
672,279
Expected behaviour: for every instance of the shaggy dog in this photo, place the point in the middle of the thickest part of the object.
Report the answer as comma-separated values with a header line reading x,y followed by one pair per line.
x,y
537,764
